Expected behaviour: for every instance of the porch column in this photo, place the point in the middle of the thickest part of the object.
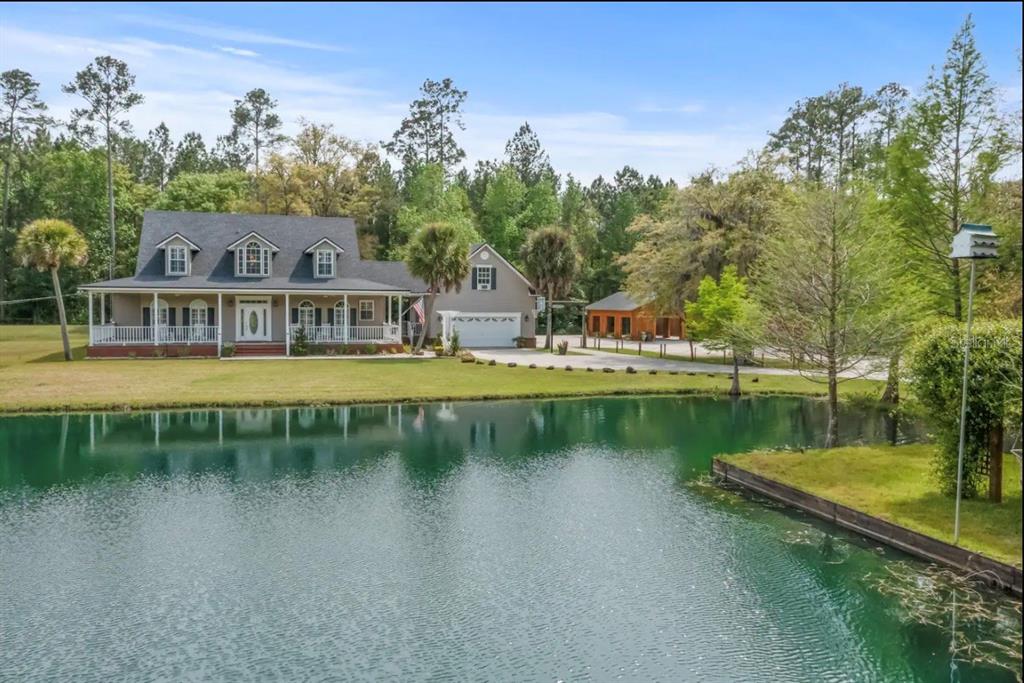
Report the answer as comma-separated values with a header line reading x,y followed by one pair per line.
x,y
220,323
344,304
103,309
400,319
90,318
287,326
154,317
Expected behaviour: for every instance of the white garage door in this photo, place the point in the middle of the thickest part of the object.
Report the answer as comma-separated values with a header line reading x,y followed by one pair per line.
x,y
481,330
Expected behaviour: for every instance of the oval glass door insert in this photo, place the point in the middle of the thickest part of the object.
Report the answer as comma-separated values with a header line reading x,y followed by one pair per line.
x,y
254,323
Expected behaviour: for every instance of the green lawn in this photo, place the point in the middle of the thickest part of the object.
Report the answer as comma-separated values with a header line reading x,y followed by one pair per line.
x,y
896,484
34,377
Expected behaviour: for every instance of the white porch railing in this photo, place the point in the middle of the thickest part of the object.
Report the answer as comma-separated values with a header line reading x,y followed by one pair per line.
x,y
193,334
143,334
349,334
122,334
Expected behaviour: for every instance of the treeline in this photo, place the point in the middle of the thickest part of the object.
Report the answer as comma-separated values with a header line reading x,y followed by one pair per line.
x,y
61,169
928,163
931,160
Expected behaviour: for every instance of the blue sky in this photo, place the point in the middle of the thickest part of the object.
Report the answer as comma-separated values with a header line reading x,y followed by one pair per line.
x,y
668,89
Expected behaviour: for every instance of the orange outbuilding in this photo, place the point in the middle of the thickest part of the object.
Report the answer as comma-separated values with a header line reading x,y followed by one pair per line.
x,y
619,315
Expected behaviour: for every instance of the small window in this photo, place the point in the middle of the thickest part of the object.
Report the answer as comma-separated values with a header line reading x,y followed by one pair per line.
x,y
366,310
254,260
197,313
324,263
307,314
177,260
339,314
483,277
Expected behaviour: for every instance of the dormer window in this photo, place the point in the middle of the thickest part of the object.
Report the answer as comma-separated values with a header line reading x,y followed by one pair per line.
x,y
253,260
325,255
177,254
252,256
177,260
325,263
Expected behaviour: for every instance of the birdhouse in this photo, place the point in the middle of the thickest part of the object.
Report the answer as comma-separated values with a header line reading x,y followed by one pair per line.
x,y
975,241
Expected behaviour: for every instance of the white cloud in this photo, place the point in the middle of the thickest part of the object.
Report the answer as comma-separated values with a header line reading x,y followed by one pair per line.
x,y
590,144
238,51
223,33
193,89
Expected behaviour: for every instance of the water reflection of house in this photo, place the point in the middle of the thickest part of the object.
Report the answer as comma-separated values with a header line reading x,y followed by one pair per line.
x,y
427,439
257,432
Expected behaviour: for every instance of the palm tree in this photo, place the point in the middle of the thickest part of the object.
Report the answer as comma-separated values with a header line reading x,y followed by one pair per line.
x,y
439,256
49,244
550,259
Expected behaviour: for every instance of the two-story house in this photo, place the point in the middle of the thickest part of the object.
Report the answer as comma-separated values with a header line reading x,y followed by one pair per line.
x,y
204,280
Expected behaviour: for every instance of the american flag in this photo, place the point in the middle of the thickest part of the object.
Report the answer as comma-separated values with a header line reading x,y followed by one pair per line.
x,y
417,308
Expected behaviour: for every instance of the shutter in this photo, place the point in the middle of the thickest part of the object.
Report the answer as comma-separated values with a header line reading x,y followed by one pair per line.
x,y
316,317
186,316
295,316
330,316
209,317
494,277
473,286
146,320
352,316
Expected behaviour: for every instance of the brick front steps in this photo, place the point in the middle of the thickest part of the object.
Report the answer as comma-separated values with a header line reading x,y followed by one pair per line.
x,y
260,349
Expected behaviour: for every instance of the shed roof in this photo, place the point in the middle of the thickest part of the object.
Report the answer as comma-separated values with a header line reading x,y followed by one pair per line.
x,y
619,301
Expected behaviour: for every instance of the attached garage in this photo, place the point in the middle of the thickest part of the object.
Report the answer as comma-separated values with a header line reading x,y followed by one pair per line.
x,y
482,330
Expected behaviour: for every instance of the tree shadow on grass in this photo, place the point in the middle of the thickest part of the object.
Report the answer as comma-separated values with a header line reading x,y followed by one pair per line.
x,y
77,353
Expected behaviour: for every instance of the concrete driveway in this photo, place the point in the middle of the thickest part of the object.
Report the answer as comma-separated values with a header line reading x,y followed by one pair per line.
x,y
590,358
616,361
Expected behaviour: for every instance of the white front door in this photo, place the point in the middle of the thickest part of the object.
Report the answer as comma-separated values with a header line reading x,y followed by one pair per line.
x,y
253,323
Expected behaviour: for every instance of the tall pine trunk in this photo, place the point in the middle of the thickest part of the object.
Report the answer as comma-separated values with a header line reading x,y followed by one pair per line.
x,y
110,205
3,218
61,314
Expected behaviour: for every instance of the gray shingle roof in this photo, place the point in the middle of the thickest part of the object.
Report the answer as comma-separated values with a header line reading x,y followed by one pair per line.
x,y
619,301
291,268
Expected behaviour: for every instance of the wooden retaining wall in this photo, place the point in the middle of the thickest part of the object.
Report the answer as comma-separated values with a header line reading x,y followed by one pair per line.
x,y
1004,575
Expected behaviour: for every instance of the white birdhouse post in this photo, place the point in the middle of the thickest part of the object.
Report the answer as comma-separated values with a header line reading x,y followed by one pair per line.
x,y
973,242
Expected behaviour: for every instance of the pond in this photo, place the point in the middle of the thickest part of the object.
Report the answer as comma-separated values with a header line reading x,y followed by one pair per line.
x,y
519,540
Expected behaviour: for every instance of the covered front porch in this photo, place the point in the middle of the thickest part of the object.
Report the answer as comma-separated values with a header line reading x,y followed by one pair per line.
x,y
202,323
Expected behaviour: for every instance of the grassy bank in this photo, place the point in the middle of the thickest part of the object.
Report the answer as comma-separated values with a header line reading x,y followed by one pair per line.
x,y
895,483
34,377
